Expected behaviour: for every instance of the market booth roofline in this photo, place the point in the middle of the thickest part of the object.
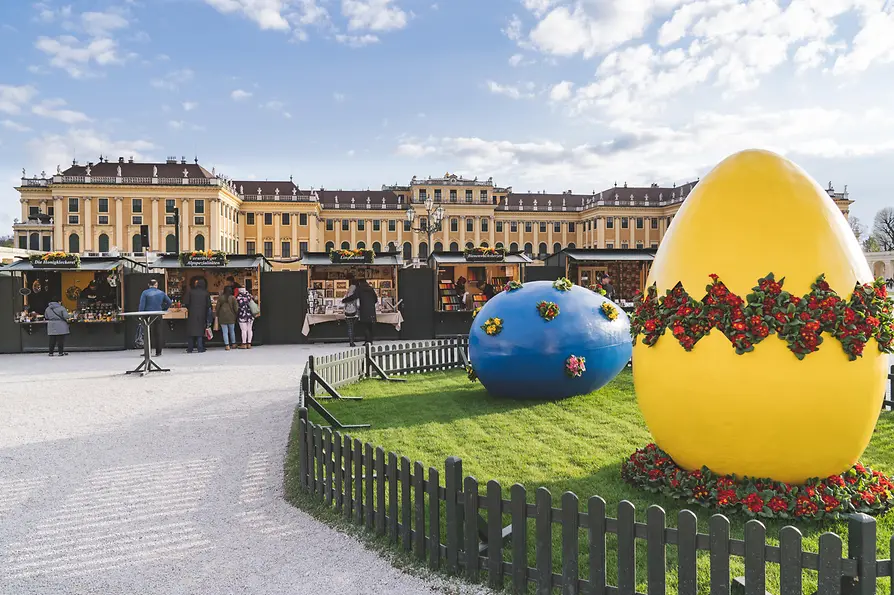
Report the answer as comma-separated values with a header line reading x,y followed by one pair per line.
x,y
628,269
234,261
379,259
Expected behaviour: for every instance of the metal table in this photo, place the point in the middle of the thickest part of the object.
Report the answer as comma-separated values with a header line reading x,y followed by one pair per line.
x,y
147,365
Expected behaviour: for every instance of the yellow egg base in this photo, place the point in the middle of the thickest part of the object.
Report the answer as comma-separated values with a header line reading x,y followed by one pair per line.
x,y
763,413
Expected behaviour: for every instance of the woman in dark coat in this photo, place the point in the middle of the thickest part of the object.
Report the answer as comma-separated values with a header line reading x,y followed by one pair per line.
x,y
367,313
57,325
199,313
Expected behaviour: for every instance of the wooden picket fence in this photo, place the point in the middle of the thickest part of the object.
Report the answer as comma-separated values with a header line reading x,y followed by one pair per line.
x,y
459,528
443,526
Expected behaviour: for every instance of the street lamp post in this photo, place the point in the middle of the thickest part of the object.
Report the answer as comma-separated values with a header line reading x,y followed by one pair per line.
x,y
430,222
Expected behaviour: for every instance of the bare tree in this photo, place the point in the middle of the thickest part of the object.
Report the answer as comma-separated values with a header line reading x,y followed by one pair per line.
x,y
858,228
883,229
870,245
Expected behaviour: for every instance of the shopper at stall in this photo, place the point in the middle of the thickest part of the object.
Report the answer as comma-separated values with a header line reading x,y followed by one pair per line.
x,y
488,291
367,310
468,300
199,317
57,325
227,314
155,300
461,286
351,308
246,317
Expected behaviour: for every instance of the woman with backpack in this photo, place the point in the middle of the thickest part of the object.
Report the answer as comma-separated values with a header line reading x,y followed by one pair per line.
x,y
351,308
248,310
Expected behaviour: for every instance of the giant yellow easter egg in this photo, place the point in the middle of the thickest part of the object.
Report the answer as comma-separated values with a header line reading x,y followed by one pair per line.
x,y
764,413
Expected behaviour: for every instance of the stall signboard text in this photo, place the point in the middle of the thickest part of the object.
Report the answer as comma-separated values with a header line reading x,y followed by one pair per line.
x,y
55,260
359,256
207,258
484,254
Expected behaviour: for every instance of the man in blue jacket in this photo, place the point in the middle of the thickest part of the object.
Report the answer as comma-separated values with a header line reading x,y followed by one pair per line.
x,y
155,300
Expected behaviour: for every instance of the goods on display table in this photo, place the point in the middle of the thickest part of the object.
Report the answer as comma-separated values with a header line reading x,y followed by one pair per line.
x,y
182,272
90,288
627,269
470,272
328,277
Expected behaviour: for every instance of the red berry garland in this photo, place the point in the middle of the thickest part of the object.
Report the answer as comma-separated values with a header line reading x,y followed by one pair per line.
x,y
857,490
800,321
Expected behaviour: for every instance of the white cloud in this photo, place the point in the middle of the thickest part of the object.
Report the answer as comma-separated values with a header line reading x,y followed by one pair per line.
x,y
14,126
76,57
13,98
188,106
374,15
350,153
338,97
55,109
356,41
874,43
101,24
511,91
240,95
278,107
561,91
516,59
176,124
173,79
50,150
267,14
514,29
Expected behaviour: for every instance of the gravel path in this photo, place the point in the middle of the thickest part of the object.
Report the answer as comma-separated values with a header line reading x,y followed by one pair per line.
x,y
166,484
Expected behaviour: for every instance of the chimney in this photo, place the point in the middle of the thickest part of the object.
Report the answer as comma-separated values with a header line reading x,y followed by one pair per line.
x,y
171,160
121,160
130,160
182,160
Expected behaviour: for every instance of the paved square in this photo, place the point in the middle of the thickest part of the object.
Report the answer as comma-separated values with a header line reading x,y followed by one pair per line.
x,y
170,483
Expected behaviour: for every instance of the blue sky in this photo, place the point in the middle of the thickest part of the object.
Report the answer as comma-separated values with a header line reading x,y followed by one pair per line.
x,y
540,94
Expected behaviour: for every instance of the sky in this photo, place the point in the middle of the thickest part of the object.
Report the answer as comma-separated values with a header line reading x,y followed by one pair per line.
x,y
539,94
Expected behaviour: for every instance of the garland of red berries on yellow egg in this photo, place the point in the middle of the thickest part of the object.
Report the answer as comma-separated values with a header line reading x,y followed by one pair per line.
x,y
856,490
799,321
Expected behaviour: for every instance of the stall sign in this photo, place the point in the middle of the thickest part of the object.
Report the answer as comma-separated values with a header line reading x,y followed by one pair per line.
x,y
485,254
359,256
207,258
55,260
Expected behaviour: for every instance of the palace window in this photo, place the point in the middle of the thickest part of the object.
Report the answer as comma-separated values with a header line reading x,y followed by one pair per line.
x,y
392,225
407,226
250,247
287,250
528,227
73,219
377,225
136,205
542,228
624,245
513,226
103,220
199,220
136,220
330,224
610,246
557,227
268,218
51,211
103,207
302,247
345,225
422,195
170,205
609,222
72,205
571,226
268,249
286,219
653,221
200,242
483,195
639,245
361,225
639,222
199,205
499,227
470,225
437,195
302,219
468,196
653,246
624,223
23,242
33,211
484,224
453,196
249,218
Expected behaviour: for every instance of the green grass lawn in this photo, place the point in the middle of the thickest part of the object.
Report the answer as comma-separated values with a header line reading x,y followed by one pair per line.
x,y
573,445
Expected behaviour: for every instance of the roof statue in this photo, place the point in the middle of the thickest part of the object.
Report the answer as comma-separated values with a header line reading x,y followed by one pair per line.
x,y
213,171
119,171
276,191
185,173
43,173
23,172
88,169
259,191
58,170
294,190
241,189
154,171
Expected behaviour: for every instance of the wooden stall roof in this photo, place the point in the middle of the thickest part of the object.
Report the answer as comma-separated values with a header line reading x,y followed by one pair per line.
x,y
599,255
234,261
382,259
460,258
88,263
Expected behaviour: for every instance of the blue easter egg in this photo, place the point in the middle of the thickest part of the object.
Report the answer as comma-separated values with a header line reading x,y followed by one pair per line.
x,y
526,360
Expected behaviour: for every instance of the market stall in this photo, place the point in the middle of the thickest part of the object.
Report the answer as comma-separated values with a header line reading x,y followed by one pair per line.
x,y
217,269
91,288
470,270
327,284
627,269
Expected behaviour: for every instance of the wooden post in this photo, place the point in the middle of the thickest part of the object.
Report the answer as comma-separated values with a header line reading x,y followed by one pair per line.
x,y
453,474
302,447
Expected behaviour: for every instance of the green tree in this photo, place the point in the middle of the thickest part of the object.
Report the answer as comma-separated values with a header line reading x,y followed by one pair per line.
x,y
6,242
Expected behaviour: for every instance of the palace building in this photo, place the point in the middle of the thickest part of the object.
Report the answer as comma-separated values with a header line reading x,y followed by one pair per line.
x,y
100,207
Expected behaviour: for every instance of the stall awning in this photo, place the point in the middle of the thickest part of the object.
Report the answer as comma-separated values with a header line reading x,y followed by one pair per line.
x,y
460,258
578,255
234,261
384,259
87,264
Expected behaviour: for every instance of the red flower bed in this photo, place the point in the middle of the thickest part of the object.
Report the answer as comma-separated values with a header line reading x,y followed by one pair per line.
x,y
799,321
857,490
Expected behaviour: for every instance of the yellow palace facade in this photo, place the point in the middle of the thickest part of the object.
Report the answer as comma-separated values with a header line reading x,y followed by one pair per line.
x,y
100,207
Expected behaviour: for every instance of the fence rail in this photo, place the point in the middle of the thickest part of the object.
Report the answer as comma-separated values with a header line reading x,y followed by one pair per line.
x,y
457,524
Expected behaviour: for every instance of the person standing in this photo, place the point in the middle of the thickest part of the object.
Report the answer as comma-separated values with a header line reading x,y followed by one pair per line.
x,y
488,291
246,317
367,310
227,313
57,325
351,308
198,318
155,300
608,287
